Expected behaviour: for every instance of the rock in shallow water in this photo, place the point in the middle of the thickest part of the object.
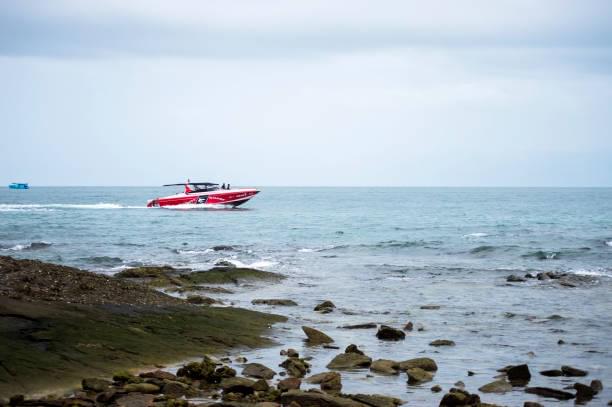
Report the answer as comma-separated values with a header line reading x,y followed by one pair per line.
x,y
369,325
573,372
349,361
258,371
423,363
387,333
376,400
417,376
97,385
498,386
385,366
551,393
316,337
325,307
271,301
442,342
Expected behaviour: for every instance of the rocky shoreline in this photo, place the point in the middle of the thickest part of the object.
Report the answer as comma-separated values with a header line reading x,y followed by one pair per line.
x,y
216,381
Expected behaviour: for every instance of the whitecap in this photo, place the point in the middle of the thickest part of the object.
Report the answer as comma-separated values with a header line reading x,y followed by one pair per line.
x,y
306,250
609,243
600,272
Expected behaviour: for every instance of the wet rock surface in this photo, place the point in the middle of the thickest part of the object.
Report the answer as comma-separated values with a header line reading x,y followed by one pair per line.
x,y
316,337
387,333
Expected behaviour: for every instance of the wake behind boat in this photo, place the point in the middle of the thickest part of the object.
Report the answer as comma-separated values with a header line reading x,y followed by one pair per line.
x,y
204,193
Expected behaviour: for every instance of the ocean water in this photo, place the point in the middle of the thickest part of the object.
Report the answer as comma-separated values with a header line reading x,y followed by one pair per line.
x,y
378,254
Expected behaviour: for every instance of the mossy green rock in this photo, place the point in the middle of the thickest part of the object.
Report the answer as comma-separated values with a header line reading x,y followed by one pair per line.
x,y
228,275
147,388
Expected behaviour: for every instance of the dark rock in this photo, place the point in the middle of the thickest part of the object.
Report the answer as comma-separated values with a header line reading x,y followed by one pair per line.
x,y
515,279
123,376
519,373
470,373
532,404
16,399
238,385
430,307
290,383
436,388
423,363
385,366
224,372
349,361
386,333
316,337
376,400
498,386
175,389
258,371
442,342
201,300
418,376
550,393
279,302
584,392
552,373
352,348
97,385
329,381
261,385
409,326
369,325
597,386
573,372
529,275
459,397
325,307
560,342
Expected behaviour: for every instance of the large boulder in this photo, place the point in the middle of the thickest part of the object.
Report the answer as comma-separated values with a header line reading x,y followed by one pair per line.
x,y
258,371
238,385
418,376
498,386
317,399
385,366
316,337
349,361
387,333
423,363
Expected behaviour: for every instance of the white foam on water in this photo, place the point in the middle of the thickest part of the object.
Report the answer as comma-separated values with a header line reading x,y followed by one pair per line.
x,y
477,234
20,247
609,243
49,207
257,264
192,252
592,273
306,250
196,206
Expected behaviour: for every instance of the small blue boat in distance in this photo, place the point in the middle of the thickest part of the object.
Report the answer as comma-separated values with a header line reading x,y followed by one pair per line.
x,y
19,185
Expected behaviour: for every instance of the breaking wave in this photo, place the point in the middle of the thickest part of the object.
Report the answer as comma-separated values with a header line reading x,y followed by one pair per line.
x,y
30,246
255,265
598,272
477,234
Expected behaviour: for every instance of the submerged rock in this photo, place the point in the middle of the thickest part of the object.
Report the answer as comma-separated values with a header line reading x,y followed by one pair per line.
x,y
385,366
515,279
278,302
258,371
409,326
551,393
325,307
369,325
426,364
498,386
551,373
442,342
316,337
430,307
386,333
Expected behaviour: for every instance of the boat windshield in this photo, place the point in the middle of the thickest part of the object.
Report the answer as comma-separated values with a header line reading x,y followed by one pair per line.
x,y
203,188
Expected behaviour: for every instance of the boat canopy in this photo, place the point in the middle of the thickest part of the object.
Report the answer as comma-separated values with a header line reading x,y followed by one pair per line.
x,y
197,186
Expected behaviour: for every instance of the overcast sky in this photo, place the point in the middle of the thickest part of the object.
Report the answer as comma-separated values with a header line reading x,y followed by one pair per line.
x,y
423,93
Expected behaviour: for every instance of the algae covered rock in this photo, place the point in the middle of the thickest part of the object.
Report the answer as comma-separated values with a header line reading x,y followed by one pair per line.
x,y
376,400
497,386
426,364
93,384
349,361
204,370
276,302
442,342
417,376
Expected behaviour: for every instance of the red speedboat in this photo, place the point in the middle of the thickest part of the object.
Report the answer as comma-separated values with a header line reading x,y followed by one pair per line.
x,y
204,193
